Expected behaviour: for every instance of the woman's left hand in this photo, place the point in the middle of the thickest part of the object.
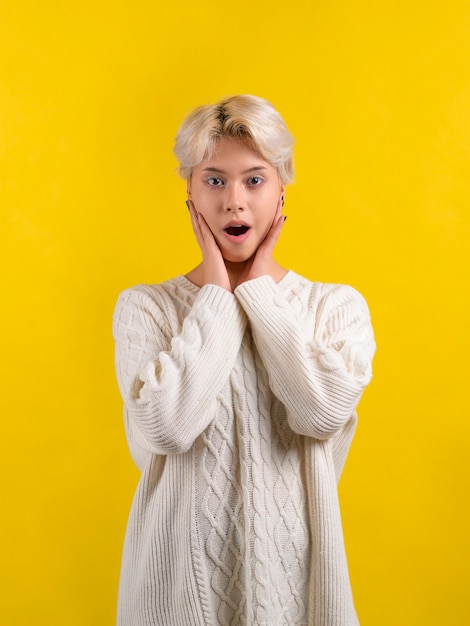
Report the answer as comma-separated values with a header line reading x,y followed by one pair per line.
x,y
262,262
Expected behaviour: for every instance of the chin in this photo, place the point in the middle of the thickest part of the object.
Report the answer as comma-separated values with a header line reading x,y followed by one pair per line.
x,y
236,258
231,259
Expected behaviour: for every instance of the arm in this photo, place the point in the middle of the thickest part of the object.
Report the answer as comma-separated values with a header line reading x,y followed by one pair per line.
x,y
317,373
170,383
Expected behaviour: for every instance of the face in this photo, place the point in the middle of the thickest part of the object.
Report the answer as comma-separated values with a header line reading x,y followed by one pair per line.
x,y
237,192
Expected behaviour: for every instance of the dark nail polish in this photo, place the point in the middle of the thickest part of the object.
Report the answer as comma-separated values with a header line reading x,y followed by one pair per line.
x,y
187,204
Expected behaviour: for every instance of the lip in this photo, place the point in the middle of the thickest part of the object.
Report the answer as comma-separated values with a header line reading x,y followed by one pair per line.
x,y
236,223
237,239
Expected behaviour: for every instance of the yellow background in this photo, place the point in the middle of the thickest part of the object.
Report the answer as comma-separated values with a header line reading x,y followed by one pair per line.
x,y
377,95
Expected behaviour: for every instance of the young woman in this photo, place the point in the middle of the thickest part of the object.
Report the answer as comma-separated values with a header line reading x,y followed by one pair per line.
x,y
240,382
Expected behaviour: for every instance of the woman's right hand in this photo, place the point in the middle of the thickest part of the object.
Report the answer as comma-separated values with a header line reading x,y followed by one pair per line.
x,y
213,270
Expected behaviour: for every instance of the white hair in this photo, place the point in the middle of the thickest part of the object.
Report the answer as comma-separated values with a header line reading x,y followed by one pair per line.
x,y
249,118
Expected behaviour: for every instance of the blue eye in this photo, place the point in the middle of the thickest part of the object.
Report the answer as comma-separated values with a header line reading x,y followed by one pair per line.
x,y
254,181
214,181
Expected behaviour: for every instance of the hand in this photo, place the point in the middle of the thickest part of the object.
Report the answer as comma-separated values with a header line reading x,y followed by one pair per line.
x,y
262,262
213,270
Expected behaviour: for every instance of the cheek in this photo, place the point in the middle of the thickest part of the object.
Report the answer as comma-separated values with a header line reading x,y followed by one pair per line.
x,y
272,197
203,197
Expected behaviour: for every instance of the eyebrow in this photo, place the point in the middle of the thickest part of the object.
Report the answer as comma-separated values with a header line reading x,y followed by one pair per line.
x,y
256,168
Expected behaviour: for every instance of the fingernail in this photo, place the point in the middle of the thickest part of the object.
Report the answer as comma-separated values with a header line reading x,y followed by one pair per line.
x,y
285,217
187,204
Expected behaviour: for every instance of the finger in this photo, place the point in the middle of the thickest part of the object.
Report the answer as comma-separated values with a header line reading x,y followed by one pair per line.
x,y
273,236
204,229
201,227
192,210
194,219
204,235
268,245
278,220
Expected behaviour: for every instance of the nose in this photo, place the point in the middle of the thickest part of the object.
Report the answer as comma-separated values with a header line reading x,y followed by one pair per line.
x,y
234,199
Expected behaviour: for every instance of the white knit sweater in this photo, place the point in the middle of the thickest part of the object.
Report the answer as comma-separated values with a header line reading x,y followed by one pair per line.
x,y
239,412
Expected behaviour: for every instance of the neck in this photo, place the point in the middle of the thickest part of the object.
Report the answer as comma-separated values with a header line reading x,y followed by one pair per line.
x,y
234,271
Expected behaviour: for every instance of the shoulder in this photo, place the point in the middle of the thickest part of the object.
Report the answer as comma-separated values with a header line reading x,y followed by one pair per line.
x,y
160,304
320,296
170,292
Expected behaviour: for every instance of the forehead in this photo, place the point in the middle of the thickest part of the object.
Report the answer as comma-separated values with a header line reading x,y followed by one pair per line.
x,y
231,152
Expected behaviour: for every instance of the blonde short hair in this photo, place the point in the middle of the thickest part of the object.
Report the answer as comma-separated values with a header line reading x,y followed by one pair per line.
x,y
249,118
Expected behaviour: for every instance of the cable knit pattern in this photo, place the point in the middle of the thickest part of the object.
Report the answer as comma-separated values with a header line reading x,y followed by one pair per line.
x,y
239,411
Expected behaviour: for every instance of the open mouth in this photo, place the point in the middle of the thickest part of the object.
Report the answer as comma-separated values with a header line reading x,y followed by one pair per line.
x,y
236,231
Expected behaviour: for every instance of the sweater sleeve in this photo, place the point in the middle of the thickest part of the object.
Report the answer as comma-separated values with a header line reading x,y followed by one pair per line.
x,y
317,373
169,380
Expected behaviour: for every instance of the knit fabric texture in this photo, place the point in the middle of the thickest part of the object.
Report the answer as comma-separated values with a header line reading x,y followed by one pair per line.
x,y
239,412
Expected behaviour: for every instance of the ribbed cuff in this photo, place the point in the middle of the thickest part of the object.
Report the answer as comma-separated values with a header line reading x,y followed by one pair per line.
x,y
224,304
261,288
